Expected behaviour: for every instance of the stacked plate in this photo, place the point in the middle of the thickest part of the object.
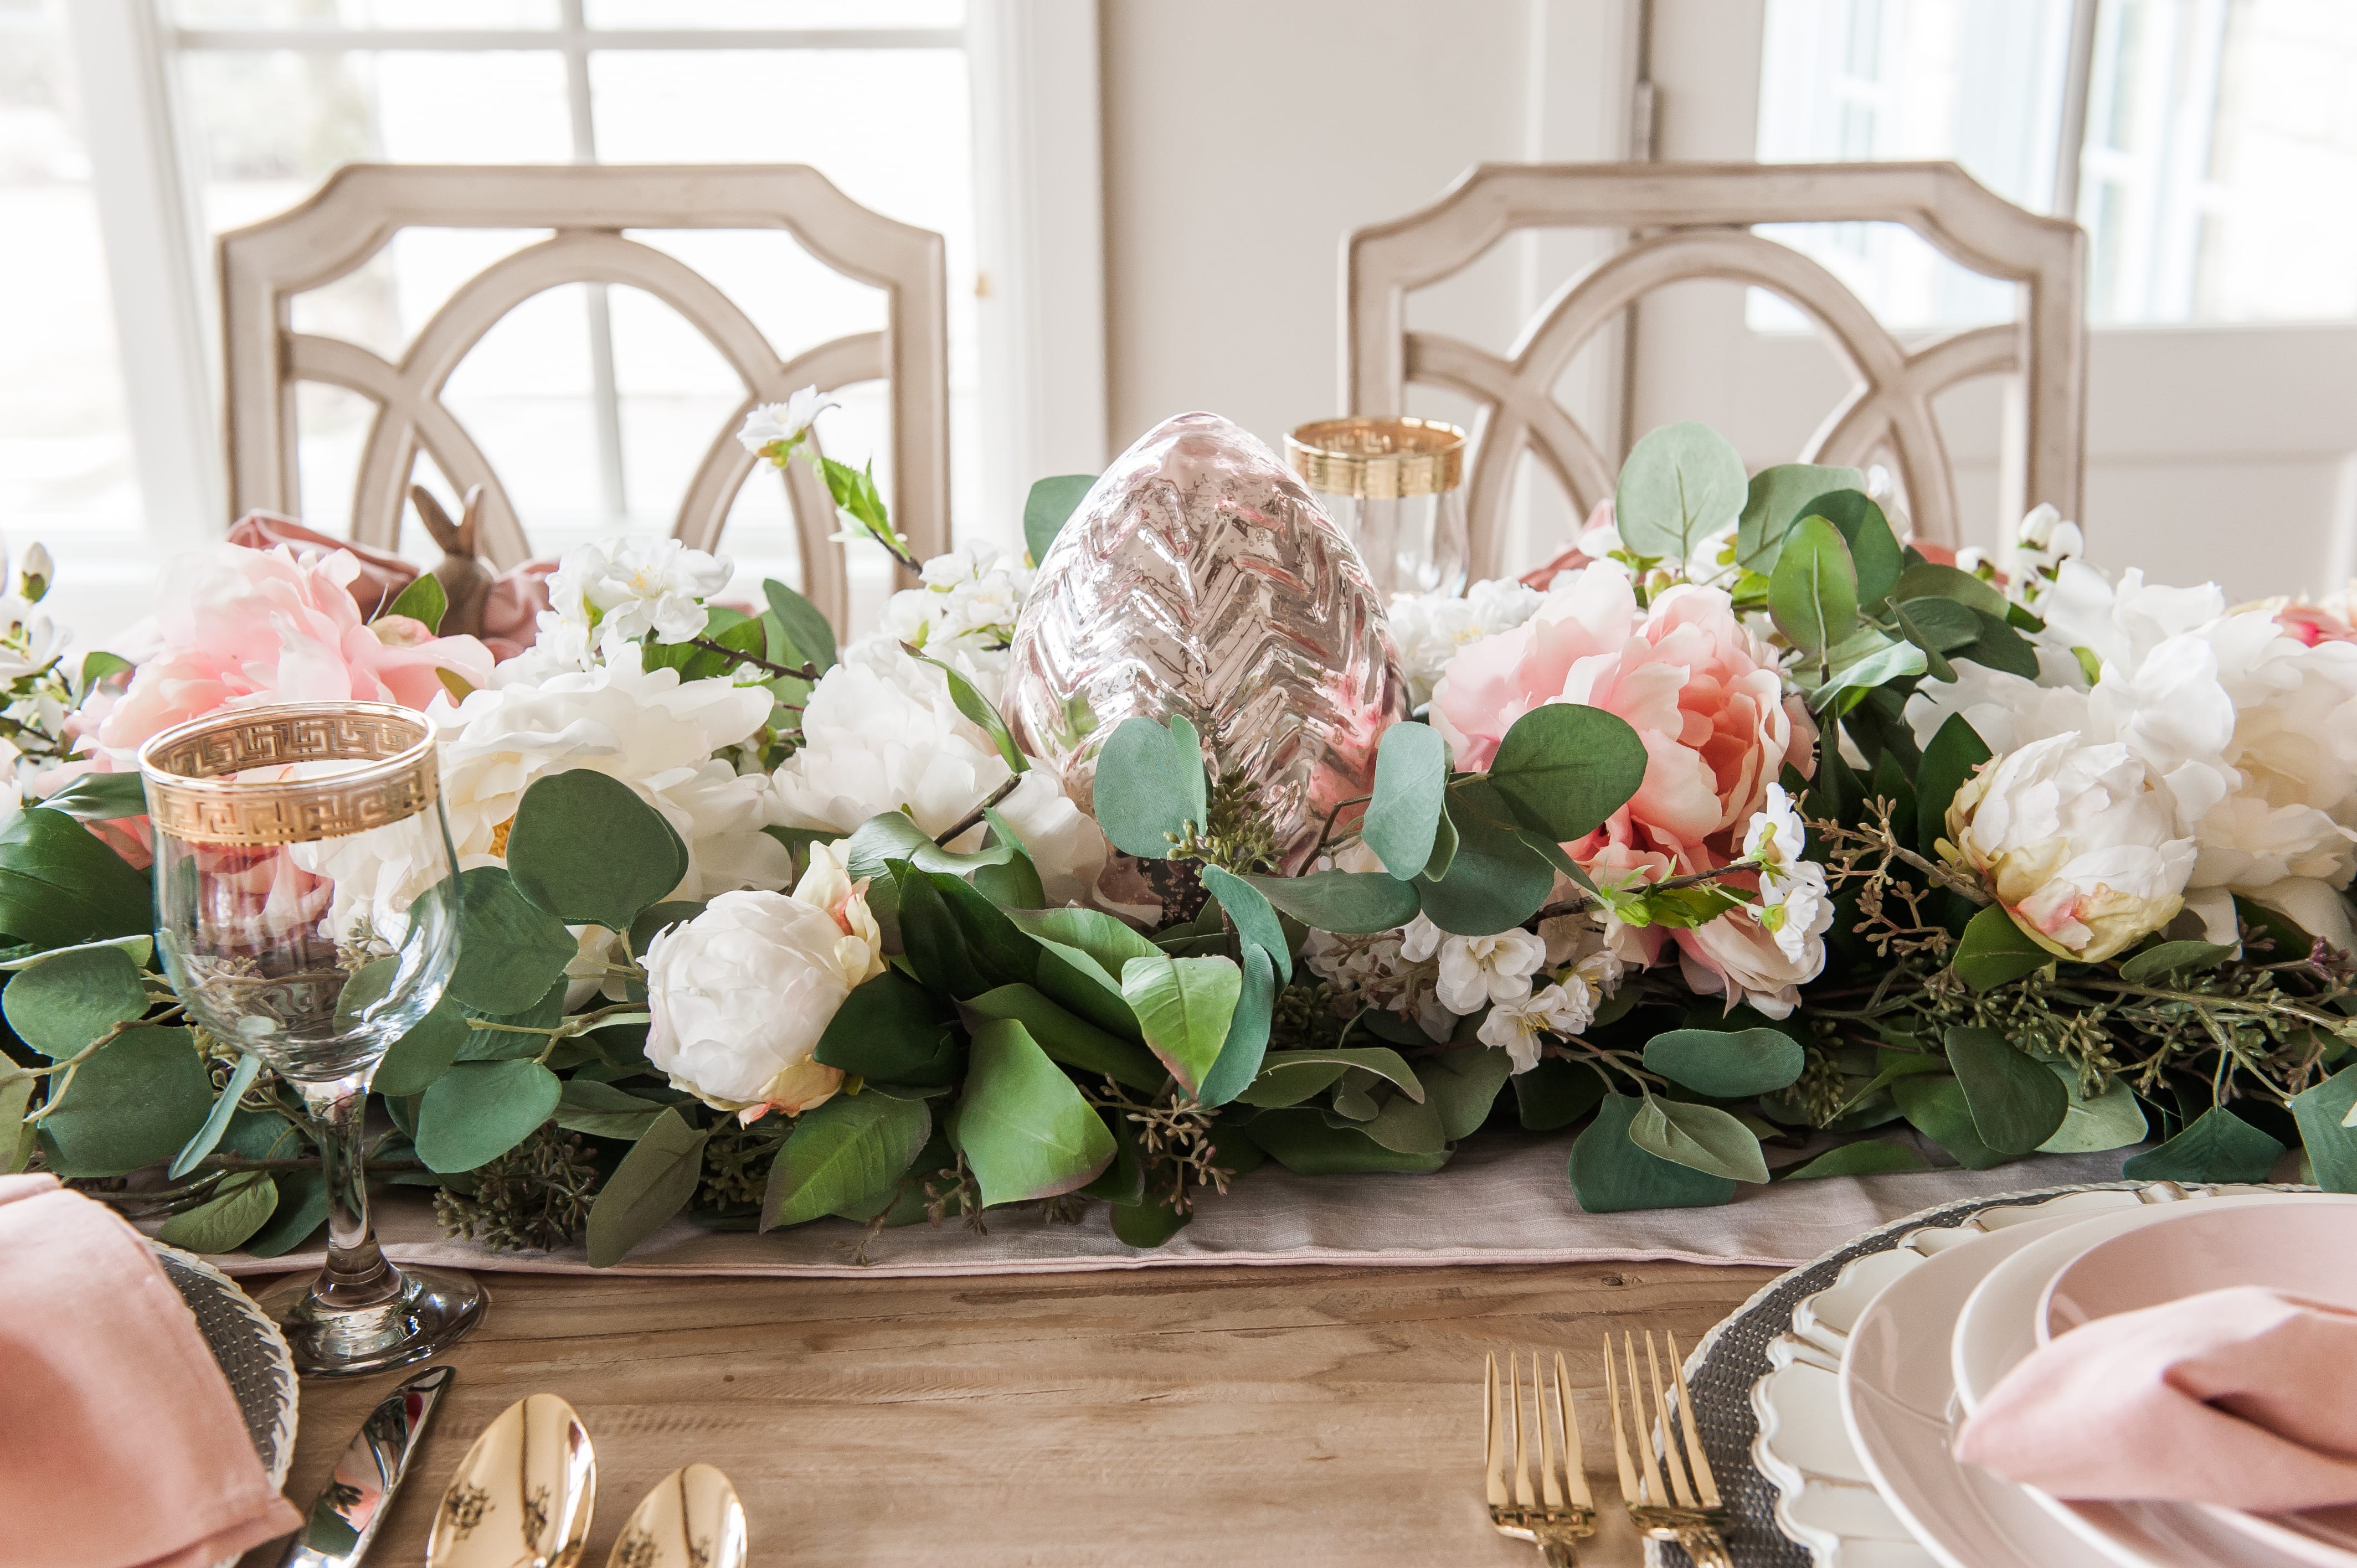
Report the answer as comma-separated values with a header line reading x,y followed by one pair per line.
x,y
1867,1381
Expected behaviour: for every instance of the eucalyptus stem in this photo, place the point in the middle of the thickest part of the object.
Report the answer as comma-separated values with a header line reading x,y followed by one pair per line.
x,y
974,818
804,672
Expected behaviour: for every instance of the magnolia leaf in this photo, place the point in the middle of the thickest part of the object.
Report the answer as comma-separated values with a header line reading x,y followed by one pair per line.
x,y
1609,1172
1463,1086
1402,818
479,1111
73,997
587,850
1105,938
1246,1044
601,1111
851,1149
1995,951
969,701
890,835
805,626
509,952
1931,580
2322,1113
1936,1107
1813,594
1049,505
2112,1119
2217,1146
2017,1105
1069,1038
1954,753
301,1209
931,937
1564,769
2000,647
1255,919
1303,1143
222,1223
1146,1225
240,1078
891,1030
1149,785
1778,497
2160,961
1288,1077
1726,1064
423,600
100,797
1184,1005
1874,549
1342,901
135,1102
1701,1137
1868,1156
654,1181
1681,482
1025,1131
1078,984
61,886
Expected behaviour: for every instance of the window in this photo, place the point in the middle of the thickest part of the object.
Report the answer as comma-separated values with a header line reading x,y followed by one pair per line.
x,y
2213,177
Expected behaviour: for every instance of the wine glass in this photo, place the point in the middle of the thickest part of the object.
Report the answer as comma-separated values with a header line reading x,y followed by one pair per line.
x,y
307,909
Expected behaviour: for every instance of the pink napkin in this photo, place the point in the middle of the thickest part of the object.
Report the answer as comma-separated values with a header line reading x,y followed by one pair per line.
x,y
2245,1398
121,1445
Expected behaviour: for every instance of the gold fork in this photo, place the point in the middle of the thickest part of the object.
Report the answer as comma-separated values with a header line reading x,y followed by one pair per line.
x,y
1561,1511
1684,1512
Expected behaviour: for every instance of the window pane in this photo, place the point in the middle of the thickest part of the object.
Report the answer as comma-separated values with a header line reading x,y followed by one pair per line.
x,y
364,12
775,13
66,475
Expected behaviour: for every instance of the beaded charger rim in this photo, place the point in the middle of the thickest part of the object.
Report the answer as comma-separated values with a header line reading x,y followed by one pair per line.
x,y
188,799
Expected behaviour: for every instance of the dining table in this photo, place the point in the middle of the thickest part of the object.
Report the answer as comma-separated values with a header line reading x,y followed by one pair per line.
x,y
1307,1414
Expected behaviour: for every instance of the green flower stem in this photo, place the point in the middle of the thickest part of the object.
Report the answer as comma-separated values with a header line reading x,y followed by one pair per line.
x,y
1326,832
974,818
737,656
2207,1005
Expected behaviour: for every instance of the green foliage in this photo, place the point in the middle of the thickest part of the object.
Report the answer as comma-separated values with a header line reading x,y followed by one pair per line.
x,y
1995,951
1184,1005
1462,1085
1496,879
2112,1119
240,1078
805,627
2155,964
71,998
653,1182
851,1149
1868,1156
1723,1064
61,886
1934,1105
479,1111
1069,1039
891,837
1342,901
1288,1077
1402,820
241,1206
423,601
1955,752
1555,1093
600,1111
1813,593
100,797
587,850
425,1052
1246,1044
1105,938
2322,1112
891,1030
969,701
1931,580
137,1101
1305,1143
1024,1130
1049,507
1680,483
1778,497
2016,1104
1146,1225
510,950
1255,919
2217,1146
1700,1137
1149,785
1562,768
1609,1172
1874,549
301,1209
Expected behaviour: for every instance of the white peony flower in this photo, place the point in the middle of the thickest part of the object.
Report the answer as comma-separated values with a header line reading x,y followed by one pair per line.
x,y
1431,628
648,729
2078,842
739,997
786,422
881,734
1514,1026
1475,971
828,885
633,585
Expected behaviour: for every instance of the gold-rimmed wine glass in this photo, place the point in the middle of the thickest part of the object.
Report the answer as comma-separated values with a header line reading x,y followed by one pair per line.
x,y
306,911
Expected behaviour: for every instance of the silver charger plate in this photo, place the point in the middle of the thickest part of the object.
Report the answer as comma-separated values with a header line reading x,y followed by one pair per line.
x,y
251,1350
1733,1356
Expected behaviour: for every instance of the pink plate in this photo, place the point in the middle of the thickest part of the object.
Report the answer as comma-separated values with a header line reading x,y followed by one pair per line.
x,y
2300,1249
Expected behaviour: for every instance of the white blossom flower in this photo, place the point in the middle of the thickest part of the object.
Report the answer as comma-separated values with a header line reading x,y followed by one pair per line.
x,y
1737,958
1970,559
1475,971
1431,628
964,615
881,734
2078,842
1514,1026
1369,970
740,996
1593,945
12,788
788,422
633,585
647,728
1776,836
39,572
1797,909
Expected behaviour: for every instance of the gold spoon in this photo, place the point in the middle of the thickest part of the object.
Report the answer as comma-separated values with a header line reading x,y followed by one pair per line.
x,y
691,1520
523,1494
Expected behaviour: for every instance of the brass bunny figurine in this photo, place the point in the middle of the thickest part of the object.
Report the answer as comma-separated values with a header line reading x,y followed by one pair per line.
x,y
464,576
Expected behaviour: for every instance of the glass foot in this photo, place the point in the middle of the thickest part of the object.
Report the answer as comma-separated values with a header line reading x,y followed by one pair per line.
x,y
432,1310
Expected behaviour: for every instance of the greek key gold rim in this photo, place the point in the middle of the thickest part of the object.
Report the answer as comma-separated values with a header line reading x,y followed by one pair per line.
x,y
1378,458
187,799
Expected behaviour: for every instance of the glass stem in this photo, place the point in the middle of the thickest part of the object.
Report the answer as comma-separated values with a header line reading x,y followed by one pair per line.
x,y
357,1273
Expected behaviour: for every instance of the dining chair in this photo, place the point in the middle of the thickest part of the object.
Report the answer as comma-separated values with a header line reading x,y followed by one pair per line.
x,y
1693,221
362,206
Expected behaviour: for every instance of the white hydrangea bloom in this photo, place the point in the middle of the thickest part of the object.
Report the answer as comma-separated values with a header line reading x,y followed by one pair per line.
x,y
1429,628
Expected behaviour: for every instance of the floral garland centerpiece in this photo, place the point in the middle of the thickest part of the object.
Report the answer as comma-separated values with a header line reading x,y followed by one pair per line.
x,y
1751,844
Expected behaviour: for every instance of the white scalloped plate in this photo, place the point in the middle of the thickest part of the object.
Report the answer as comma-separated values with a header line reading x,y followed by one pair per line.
x,y
252,1352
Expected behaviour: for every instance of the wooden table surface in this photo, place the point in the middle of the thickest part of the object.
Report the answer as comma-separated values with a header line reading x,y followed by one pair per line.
x,y
1182,1416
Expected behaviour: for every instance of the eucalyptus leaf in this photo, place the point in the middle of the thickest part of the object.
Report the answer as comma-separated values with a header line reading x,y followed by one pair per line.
x,y
510,951
601,1111
73,997
1301,1141
1555,1093
1775,498
1681,482
2112,1119
1149,785
1868,1156
805,625
1893,663
1934,1105
1874,549
135,1102
1933,580
1726,1064
2017,1105
1496,880
1562,768
1995,951
1246,1044
301,1209
1184,1005
1813,594
1342,901
240,1078
1025,1131
2322,1112
222,1223
1402,818
1611,1173
1255,919
1407,1126
1700,1137
653,1182
1051,502
1287,1077
1462,1085
587,850
847,1151
2158,962
2217,1146
479,1111
1146,1225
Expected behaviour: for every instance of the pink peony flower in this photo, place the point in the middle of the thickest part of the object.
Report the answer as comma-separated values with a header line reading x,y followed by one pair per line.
x,y
244,626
